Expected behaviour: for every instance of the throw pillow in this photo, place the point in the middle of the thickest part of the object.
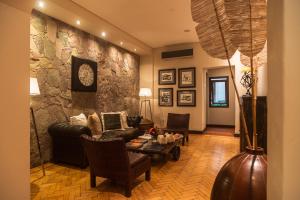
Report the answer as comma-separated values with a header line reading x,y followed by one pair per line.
x,y
78,120
111,121
94,124
124,116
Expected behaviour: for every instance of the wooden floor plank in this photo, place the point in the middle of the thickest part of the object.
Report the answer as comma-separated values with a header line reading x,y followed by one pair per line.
x,y
191,177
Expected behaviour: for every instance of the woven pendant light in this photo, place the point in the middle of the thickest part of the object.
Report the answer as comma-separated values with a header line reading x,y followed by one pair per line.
x,y
205,13
214,33
239,15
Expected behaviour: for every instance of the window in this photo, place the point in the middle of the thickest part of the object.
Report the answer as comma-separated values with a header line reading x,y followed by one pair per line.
x,y
218,92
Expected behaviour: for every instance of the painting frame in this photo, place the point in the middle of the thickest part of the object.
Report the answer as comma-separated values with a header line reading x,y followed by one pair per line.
x,y
187,77
165,103
183,102
167,76
76,84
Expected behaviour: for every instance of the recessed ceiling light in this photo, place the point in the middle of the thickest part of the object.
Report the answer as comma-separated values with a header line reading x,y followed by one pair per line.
x,y
78,22
103,34
41,4
121,43
134,49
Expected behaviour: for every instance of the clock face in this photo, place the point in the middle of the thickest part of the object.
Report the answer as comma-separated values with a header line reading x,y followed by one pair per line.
x,y
86,75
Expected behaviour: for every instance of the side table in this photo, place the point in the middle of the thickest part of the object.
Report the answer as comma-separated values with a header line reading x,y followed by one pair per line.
x,y
146,125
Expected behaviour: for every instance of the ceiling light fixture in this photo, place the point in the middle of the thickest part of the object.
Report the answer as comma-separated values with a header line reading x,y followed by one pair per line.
x,y
41,4
187,30
78,22
134,49
103,34
121,43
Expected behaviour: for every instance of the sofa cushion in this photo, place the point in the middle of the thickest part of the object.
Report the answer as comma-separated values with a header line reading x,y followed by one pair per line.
x,y
78,120
124,116
94,124
111,121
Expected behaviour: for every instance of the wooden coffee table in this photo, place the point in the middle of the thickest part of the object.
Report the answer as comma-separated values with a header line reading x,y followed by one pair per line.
x,y
152,147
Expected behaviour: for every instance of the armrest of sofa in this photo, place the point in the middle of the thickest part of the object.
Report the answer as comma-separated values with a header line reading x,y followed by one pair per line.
x,y
68,130
67,147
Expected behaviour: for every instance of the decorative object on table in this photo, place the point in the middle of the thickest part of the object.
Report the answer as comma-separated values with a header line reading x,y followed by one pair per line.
x,y
165,97
187,77
153,132
84,75
161,139
167,77
35,91
170,138
231,25
247,80
186,97
145,93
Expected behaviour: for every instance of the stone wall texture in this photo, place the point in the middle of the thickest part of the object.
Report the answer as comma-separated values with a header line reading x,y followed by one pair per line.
x,y
52,43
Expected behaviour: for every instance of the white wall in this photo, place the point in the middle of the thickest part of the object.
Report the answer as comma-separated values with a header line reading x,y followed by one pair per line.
x,y
283,102
201,60
221,116
14,101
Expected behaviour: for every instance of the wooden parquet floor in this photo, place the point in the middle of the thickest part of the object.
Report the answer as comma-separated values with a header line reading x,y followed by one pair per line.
x,y
189,178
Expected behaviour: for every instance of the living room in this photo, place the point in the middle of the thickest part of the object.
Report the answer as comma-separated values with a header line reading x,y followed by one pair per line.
x,y
98,74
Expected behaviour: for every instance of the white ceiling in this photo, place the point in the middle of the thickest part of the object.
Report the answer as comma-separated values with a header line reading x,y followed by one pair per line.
x,y
157,23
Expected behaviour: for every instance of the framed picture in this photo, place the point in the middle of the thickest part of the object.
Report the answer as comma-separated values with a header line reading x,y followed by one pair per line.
x,y
187,77
186,98
167,77
84,75
165,96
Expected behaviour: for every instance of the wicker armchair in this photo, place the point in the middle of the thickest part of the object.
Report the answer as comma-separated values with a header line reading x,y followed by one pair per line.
x,y
110,159
179,123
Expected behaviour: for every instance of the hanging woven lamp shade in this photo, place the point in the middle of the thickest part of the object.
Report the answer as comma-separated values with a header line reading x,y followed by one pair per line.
x,y
208,30
244,177
260,60
238,13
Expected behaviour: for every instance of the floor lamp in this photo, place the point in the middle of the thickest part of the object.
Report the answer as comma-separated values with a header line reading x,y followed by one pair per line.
x,y
34,91
145,92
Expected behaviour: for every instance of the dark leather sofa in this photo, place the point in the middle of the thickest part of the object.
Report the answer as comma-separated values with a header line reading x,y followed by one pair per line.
x,y
67,147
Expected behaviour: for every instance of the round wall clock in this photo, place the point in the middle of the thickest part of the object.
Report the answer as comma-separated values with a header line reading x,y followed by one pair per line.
x,y
84,75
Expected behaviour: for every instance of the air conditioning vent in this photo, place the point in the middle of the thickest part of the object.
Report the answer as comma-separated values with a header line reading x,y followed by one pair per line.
x,y
177,54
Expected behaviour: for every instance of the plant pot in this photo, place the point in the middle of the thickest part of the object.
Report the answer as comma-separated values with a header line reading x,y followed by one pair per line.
x,y
243,177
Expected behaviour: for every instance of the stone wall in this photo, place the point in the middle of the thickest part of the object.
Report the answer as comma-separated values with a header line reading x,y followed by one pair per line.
x,y
52,43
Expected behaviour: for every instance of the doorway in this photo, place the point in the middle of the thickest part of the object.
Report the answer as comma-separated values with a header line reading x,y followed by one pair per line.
x,y
220,102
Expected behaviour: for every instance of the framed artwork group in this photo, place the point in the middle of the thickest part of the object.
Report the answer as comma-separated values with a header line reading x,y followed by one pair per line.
x,y
186,79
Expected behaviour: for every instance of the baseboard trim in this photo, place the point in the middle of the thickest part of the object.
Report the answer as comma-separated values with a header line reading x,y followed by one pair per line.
x,y
236,135
195,132
220,126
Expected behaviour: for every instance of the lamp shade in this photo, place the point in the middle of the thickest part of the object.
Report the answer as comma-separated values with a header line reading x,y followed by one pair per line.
x,y
34,87
145,92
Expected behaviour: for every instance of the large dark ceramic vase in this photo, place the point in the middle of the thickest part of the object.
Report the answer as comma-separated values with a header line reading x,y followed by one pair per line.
x,y
243,177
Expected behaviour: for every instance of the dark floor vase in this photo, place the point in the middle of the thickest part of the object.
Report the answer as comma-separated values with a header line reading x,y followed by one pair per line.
x,y
244,177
